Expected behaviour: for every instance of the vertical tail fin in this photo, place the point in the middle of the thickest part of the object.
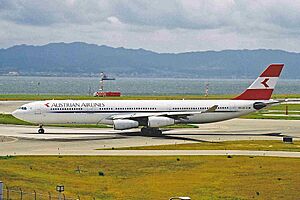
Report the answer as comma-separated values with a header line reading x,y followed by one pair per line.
x,y
262,88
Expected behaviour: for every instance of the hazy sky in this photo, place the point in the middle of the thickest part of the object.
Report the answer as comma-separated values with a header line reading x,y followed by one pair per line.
x,y
159,25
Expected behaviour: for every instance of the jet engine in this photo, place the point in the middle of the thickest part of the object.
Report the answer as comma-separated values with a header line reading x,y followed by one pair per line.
x,y
122,124
259,105
160,121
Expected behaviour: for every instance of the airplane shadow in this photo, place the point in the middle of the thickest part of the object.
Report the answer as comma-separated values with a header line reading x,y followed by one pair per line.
x,y
160,136
120,135
75,139
165,135
230,134
64,133
178,136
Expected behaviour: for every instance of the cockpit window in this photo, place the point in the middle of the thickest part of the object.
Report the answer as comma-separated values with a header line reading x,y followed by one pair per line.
x,y
23,108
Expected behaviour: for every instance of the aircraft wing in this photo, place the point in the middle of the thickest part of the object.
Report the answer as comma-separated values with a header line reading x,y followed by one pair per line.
x,y
162,114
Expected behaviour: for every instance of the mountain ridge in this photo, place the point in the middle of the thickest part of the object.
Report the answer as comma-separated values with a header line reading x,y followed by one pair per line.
x,y
83,58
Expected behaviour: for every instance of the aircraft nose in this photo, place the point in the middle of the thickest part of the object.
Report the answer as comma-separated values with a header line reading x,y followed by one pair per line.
x,y
16,114
19,114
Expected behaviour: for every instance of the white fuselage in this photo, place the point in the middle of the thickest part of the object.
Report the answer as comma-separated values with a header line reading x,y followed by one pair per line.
x,y
152,114
100,111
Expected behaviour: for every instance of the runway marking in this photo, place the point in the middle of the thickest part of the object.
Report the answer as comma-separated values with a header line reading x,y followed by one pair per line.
x,y
11,140
64,152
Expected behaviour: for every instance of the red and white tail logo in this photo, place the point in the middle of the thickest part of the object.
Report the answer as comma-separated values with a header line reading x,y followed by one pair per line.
x,y
262,88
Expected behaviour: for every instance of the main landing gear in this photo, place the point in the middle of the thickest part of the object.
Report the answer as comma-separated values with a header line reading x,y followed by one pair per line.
x,y
41,130
151,131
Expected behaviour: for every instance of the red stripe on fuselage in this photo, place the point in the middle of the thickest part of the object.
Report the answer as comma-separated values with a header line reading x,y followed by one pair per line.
x,y
273,70
255,94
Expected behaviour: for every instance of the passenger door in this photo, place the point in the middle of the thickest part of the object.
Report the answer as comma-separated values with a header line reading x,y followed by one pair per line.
x,y
38,111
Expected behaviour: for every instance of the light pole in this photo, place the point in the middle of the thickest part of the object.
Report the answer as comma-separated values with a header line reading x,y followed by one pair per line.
x,y
206,89
1,190
38,88
60,189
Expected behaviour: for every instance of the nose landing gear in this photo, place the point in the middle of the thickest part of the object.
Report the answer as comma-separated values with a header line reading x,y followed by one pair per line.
x,y
41,130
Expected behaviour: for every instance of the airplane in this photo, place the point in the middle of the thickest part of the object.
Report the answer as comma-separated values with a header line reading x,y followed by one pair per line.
x,y
152,114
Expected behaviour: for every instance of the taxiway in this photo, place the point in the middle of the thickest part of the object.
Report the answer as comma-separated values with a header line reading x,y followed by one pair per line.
x,y
23,140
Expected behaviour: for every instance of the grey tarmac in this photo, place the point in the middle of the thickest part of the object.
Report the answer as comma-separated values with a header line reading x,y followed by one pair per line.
x,y
23,140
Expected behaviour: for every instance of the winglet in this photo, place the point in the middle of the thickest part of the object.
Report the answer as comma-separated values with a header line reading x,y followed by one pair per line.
x,y
212,109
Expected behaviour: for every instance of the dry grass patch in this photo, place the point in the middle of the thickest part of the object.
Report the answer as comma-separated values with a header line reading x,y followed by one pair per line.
x,y
257,145
200,177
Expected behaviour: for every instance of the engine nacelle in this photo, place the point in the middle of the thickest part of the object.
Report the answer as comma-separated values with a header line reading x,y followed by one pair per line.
x,y
160,121
259,105
122,124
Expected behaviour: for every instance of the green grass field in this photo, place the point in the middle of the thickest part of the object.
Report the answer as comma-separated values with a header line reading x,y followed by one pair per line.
x,y
136,178
257,145
282,107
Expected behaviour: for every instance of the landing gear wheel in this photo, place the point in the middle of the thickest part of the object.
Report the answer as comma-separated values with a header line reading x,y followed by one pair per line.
x,y
41,130
151,131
